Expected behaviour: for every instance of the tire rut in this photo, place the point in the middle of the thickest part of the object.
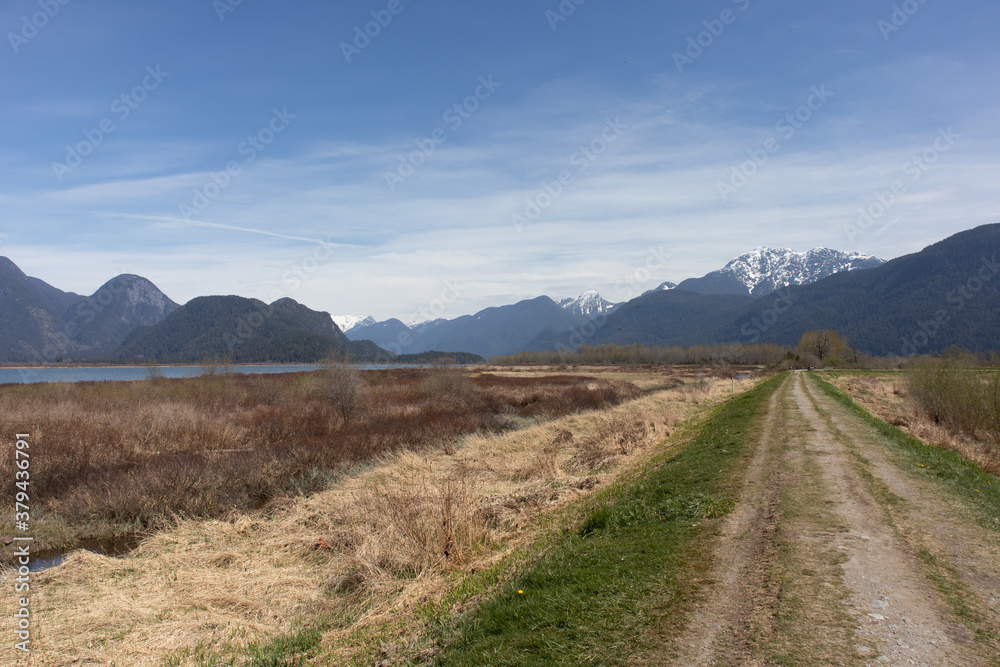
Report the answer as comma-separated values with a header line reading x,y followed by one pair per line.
x,y
896,606
931,520
737,606
838,557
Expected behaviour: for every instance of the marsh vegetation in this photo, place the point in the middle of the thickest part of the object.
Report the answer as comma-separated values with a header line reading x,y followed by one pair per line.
x,y
117,459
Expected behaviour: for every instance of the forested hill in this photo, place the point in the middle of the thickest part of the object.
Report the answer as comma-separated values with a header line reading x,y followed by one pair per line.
x,y
245,331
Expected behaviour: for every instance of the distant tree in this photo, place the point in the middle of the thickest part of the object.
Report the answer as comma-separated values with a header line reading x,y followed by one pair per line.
x,y
824,345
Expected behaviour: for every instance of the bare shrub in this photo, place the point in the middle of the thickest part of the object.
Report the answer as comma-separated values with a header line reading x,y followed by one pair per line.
x,y
448,383
951,395
343,386
545,464
400,528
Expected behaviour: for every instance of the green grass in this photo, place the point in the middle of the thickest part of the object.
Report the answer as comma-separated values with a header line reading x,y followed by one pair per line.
x,y
286,651
963,478
630,565
290,650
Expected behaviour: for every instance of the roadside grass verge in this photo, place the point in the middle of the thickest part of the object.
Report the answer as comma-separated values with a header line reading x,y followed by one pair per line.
x,y
962,477
620,579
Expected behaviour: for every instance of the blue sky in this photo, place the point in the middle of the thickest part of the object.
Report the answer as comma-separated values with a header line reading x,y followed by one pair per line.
x,y
486,151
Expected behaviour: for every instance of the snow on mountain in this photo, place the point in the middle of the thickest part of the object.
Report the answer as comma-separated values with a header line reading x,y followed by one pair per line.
x,y
661,288
764,270
348,322
422,321
769,269
588,304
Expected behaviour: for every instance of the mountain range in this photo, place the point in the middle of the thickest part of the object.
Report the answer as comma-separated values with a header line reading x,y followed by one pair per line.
x,y
244,331
129,318
753,275
945,295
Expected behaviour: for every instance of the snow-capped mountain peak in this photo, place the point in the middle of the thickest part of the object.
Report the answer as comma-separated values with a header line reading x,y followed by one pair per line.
x,y
764,269
588,304
348,322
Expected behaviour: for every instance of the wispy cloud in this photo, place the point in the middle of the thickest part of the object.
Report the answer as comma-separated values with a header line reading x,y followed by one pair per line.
x,y
654,185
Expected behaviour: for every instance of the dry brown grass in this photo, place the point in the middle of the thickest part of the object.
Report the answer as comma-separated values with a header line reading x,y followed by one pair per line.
x,y
126,458
890,397
366,552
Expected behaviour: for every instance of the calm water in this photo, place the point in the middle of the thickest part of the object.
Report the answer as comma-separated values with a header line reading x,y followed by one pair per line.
x,y
126,373
115,548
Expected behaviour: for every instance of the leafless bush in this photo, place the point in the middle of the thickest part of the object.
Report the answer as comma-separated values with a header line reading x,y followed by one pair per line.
x,y
448,383
343,386
960,398
545,465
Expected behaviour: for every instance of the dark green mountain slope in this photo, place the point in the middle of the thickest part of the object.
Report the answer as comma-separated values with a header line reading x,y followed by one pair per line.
x,y
244,330
947,294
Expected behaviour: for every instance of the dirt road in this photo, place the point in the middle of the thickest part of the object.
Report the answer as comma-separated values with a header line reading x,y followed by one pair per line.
x,y
838,554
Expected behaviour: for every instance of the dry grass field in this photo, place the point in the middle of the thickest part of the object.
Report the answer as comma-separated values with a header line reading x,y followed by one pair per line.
x,y
891,396
124,459
460,470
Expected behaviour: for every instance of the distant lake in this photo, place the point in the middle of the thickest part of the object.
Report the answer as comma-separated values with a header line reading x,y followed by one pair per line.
x,y
131,373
